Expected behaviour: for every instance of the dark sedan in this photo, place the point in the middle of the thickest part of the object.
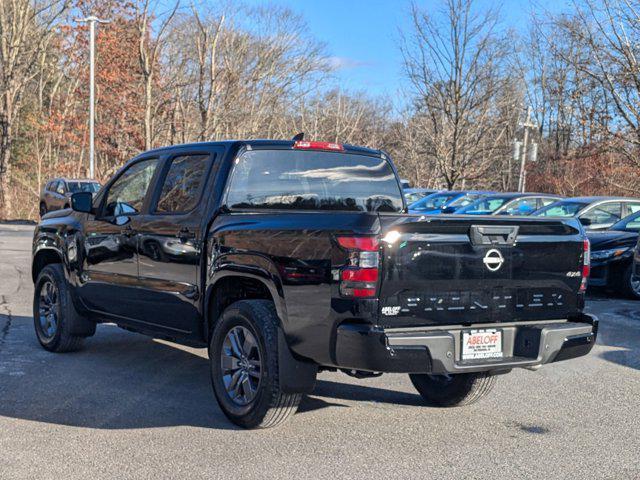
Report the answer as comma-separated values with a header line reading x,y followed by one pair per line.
x,y
612,254
595,213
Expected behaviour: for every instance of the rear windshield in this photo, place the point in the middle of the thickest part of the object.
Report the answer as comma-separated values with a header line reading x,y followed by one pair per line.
x,y
91,187
560,209
313,180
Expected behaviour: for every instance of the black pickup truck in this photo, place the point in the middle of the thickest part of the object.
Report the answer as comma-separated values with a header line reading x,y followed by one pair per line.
x,y
287,258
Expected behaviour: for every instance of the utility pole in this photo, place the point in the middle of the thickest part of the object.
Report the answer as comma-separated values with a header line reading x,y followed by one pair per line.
x,y
92,47
528,123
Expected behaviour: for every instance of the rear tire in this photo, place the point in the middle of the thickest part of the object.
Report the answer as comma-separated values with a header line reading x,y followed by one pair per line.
x,y
43,209
59,327
243,356
626,286
453,390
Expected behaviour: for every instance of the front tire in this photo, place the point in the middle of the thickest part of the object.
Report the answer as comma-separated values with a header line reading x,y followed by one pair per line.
x,y
453,390
626,285
59,327
243,356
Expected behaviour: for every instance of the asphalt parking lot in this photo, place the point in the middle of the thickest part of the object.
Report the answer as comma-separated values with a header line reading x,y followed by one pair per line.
x,y
128,406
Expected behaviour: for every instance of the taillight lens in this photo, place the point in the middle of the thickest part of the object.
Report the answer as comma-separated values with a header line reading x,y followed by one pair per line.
x,y
359,277
586,264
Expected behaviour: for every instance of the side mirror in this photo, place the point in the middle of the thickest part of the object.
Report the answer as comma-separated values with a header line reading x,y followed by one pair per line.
x,y
82,202
585,221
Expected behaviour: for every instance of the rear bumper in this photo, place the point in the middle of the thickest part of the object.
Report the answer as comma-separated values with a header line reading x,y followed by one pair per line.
x,y
437,351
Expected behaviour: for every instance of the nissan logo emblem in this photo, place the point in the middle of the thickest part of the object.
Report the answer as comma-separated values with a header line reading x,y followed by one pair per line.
x,y
493,260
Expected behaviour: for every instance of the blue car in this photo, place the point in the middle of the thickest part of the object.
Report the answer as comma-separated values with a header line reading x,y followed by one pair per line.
x,y
441,202
509,204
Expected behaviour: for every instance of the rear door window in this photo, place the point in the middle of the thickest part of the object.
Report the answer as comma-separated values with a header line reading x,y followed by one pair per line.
x,y
547,201
633,207
524,206
183,184
313,180
605,213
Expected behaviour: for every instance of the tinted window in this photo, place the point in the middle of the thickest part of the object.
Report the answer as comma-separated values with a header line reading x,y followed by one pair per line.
x,y
488,204
630,223
465,200
561,209
524,206
127,193
633,207
313,180
181,186
91,187
607,213
434,201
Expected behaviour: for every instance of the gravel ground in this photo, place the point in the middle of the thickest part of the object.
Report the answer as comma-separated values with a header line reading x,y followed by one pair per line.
x,y
128,406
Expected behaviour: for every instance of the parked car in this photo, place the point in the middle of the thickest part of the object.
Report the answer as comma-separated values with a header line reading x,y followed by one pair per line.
x,y
56,193
287,242
412,195
636,267
510,203
444,202
595,213
465,200
612,253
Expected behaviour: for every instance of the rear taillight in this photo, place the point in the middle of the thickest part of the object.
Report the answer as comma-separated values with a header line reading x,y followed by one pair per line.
x,y
586,264
359,277
303,145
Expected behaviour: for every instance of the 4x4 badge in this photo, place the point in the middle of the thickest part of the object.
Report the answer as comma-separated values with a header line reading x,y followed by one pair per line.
x,y
493,260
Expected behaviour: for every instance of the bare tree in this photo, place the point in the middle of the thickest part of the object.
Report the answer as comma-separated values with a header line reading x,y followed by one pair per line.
x,y
26,27
456,63
148,51
610,29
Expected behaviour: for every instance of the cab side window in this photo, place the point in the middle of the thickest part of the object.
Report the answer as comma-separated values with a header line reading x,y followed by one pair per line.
x,y
126,195
183,183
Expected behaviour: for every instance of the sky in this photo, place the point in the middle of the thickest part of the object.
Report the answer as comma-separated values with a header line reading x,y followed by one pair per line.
x,y
363,36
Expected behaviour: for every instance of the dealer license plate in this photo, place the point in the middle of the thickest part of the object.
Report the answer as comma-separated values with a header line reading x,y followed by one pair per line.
x,y
480,344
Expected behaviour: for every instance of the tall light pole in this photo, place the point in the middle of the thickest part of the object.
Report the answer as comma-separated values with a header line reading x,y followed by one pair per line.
x,y
528,123
92,106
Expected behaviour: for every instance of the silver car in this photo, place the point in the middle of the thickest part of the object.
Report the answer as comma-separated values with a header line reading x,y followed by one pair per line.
x,y
56,193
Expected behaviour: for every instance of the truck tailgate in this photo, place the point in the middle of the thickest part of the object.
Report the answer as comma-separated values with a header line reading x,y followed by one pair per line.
x,y
469,270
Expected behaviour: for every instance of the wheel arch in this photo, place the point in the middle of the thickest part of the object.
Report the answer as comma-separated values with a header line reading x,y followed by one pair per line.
x,y
42,258
230,287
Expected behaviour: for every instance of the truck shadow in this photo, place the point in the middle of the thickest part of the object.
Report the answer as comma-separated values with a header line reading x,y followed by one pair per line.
x,y
625,340
122,380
